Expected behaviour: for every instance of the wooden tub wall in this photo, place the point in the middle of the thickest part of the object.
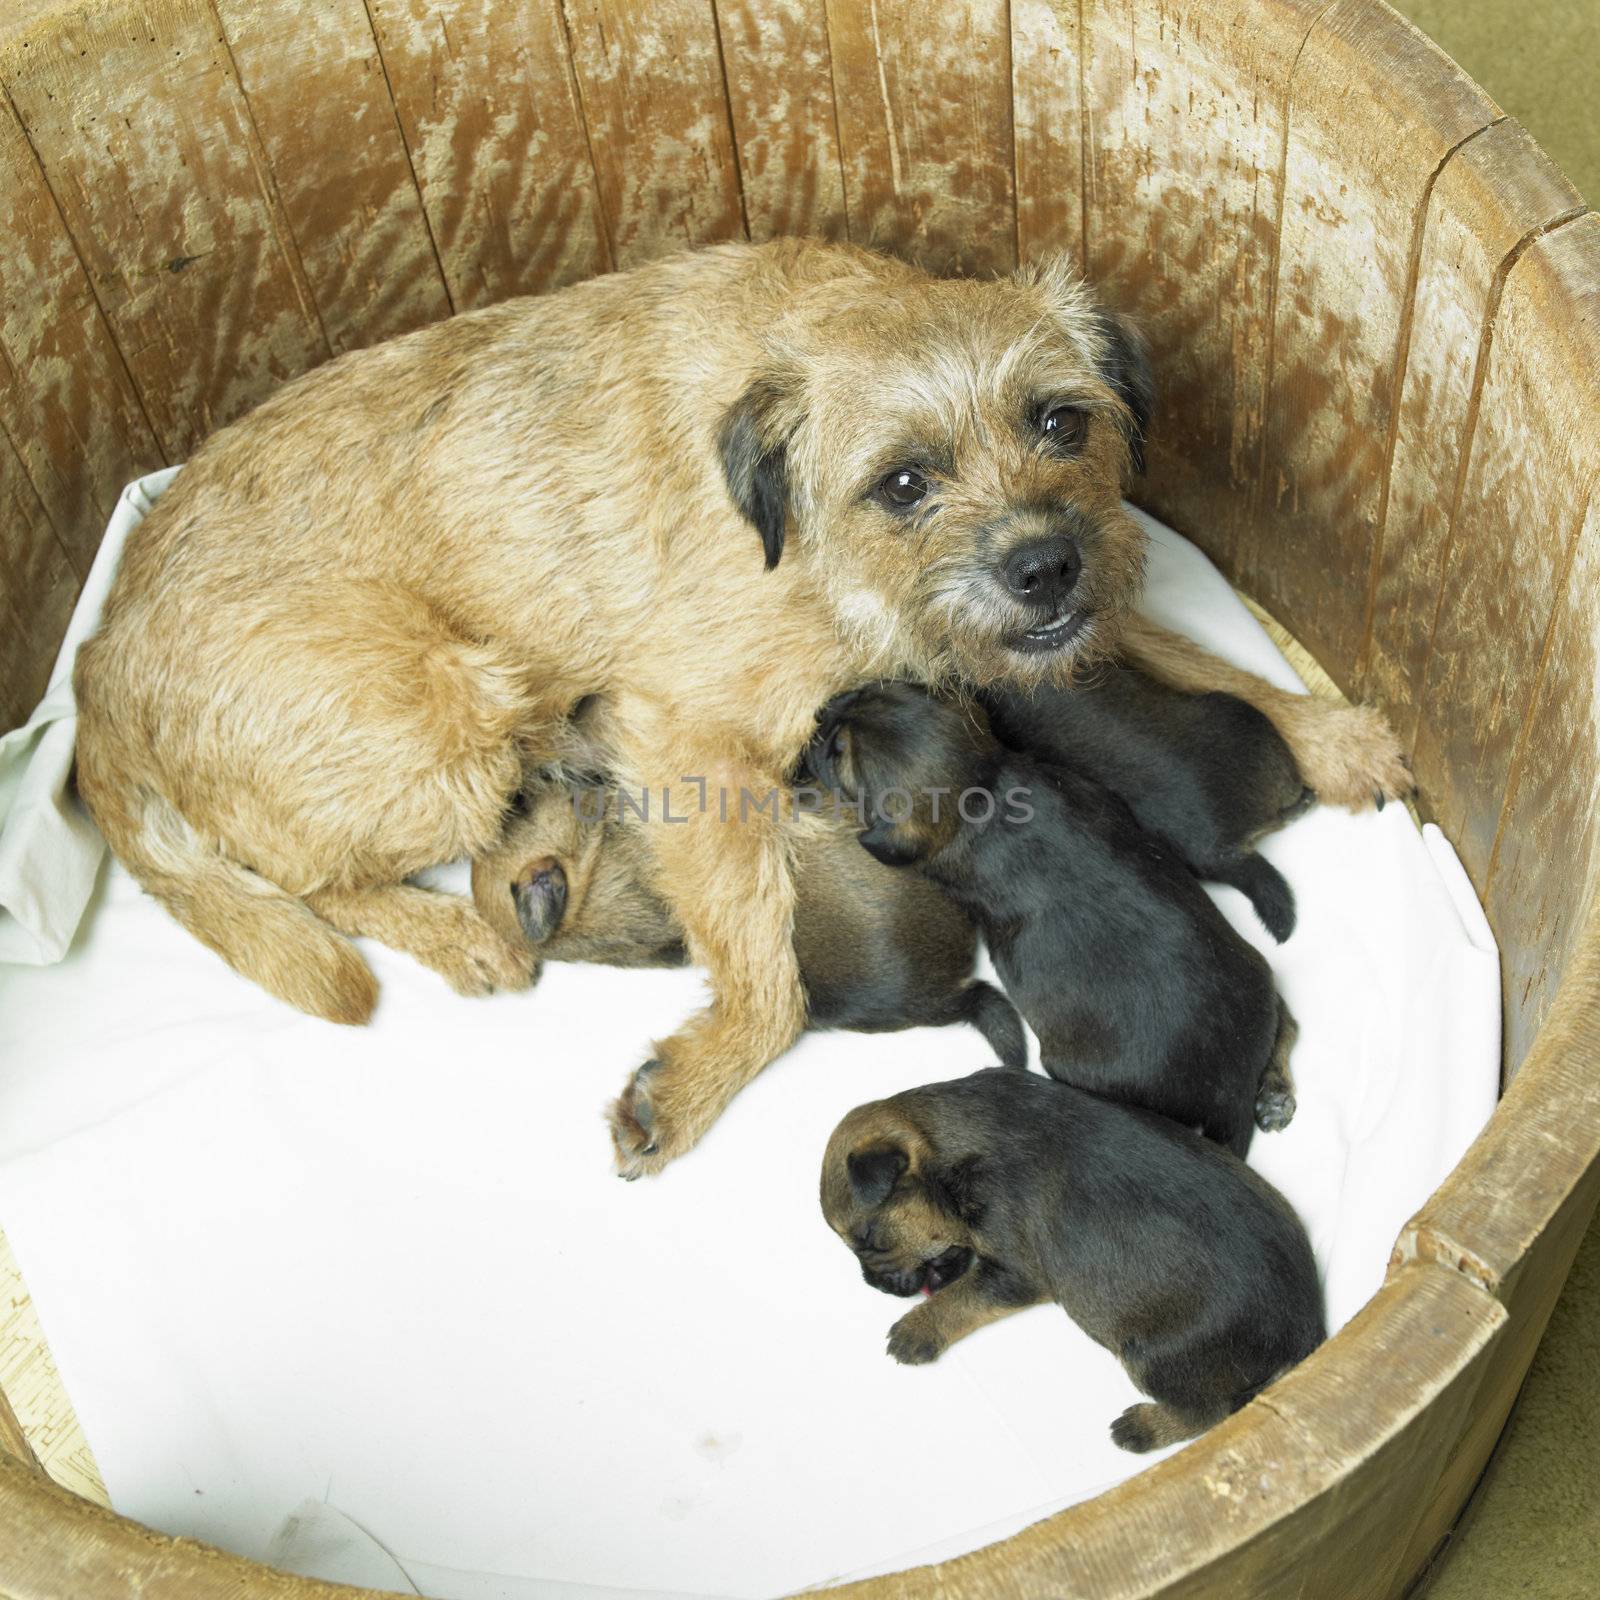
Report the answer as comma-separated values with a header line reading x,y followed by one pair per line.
x,y
1375,309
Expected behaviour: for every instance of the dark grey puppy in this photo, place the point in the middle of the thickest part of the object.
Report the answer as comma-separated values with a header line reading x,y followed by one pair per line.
x,y
1003,1190
1135,983
1205,772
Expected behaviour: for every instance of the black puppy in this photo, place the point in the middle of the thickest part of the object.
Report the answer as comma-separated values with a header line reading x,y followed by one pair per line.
x,y
1116,957
1003,1190
1206,772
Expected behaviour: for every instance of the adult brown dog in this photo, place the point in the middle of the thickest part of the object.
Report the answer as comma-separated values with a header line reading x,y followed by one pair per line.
x,y
358,612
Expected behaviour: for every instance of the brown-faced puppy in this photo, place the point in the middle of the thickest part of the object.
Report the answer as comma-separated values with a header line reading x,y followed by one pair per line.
x,y
879,950
1207,773
1134,981
1004,1190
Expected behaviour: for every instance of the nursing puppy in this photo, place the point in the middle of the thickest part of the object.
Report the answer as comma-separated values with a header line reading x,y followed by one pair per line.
x,y
879,950
1116,957
1207,773
715,490
1004,1190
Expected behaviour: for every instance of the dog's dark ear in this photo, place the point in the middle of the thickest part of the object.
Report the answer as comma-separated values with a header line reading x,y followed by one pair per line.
x,y
892,843
754,446
956,1186
874,1171
1125,366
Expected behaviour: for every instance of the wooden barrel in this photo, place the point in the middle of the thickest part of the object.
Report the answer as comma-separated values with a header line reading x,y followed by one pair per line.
x,y
1375,310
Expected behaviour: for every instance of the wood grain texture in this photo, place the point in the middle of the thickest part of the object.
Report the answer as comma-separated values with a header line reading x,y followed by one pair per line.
x,y
37,589
1358,170
1049,129
650,79
488,108
1493,195
164,187
1528,479
315,85
65,395
779,68
1185,132
925,127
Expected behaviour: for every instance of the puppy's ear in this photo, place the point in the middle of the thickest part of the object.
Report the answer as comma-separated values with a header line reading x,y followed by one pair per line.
x,y
753,443
892,843
1125,366
874,1171
956,1186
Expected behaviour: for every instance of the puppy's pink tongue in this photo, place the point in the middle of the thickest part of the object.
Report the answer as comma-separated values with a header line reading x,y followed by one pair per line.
x,y
927,1292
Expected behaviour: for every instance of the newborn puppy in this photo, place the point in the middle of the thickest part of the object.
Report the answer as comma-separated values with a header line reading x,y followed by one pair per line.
x,y
1205,772
1003,1190
878,950
1133,980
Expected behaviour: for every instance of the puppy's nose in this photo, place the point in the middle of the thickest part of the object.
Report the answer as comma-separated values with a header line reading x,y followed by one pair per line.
x,y
540,895
1044,571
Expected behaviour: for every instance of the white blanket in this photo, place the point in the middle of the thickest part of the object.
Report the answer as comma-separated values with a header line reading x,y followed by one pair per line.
x,y
389,1269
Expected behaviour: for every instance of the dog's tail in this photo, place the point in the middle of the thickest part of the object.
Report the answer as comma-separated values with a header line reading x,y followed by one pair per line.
x,y
1265,888
257,928
996,1019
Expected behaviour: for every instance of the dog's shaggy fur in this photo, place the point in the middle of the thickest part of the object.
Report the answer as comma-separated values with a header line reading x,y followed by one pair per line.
x,y
1004,1190
716,491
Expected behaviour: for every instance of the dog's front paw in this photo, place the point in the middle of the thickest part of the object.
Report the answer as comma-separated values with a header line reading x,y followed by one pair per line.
x,y
643,1140
1349,755
1275,1104
476,960
1136,1429
915,1339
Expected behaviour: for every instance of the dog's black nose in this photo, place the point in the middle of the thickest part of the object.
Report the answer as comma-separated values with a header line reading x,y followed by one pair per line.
x,y
1044,571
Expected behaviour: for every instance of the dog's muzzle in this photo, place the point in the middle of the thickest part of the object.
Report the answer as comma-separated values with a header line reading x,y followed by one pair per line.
x,y
932,1274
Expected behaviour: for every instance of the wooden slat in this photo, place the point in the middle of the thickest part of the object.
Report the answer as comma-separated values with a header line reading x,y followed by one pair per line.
x,y
925,124
1374,110
1544,870
780,91
316,86
1047,111
1493,194
148,147
650,80
1184,165
68,402
37,591
1523,499
490,115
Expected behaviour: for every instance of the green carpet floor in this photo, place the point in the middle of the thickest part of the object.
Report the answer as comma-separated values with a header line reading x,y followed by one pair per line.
x,y
1533,1529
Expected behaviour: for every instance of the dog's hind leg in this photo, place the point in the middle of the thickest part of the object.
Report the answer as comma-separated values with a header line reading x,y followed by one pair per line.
x,y
1275,1102
1150,1426
1262,885
442,931
986,1009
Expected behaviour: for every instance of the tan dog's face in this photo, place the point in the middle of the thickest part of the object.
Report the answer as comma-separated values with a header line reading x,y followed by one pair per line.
x,y
881,1194
953,456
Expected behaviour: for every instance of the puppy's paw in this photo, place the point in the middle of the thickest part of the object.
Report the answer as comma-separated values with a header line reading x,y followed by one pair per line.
x,y
1349,755
1275,1104
915,1339
634,1132
475,960
1135,1429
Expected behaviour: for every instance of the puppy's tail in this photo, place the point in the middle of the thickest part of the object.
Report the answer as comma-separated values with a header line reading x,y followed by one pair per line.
x,y
257,928
996,1019
1265,888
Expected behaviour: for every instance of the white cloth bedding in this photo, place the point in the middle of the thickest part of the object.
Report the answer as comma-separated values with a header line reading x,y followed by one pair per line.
x,y
388,1269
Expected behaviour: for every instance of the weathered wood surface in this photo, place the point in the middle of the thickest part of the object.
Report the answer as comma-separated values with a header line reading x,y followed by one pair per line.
x,y
924,104
488,107
1049,129
779,69
650,79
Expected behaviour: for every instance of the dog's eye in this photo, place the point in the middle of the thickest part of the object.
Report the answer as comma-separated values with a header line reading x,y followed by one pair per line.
x,y
901,489
1064,426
